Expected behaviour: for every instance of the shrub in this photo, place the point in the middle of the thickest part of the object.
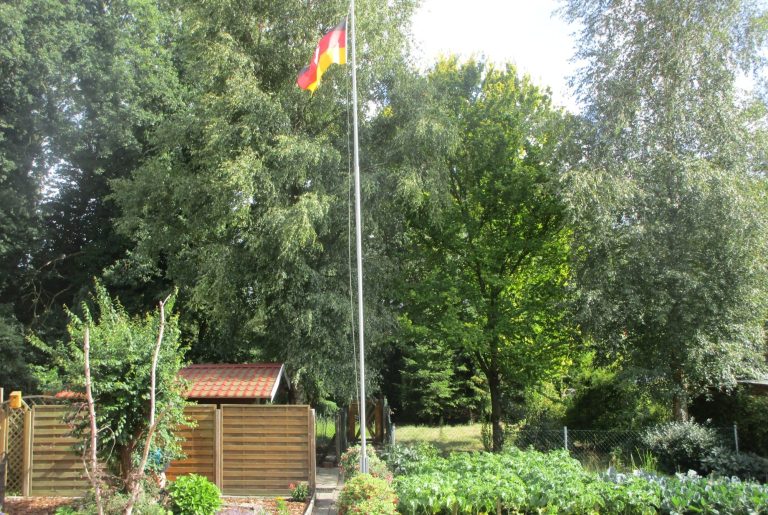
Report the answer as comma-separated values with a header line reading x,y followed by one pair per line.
x,y
405,459
680,446
366,494
194,495
724,462
349,463
299,491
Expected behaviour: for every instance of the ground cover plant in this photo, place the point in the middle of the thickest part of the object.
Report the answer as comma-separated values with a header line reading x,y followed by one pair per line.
x,y
529,481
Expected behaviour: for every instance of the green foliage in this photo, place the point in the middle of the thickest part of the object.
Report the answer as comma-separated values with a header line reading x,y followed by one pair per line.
x,y
669,204
254,227
349,463
487,245
15,373
121,359
749,412
727,463
194,495
609,400
299,491
281,506
150,501
533,482
681,446
403,459
365,494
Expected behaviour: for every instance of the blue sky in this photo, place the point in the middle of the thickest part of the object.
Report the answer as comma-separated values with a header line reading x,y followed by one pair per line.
x,y
524,32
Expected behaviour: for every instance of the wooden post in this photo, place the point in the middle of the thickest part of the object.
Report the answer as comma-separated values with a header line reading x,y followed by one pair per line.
x,y
3,425
26,467
353,411
312,449
218,432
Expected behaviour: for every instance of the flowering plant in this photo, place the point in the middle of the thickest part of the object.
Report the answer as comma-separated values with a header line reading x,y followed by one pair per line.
x,y
299,491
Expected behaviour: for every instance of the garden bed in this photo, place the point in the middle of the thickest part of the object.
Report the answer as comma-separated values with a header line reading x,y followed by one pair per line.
x,y
230,505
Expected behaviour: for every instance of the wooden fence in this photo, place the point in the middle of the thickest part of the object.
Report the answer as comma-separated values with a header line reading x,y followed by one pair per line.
x,y
244,449
55,467
256,449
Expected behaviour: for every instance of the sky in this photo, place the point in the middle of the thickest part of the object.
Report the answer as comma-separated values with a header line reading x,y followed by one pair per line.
x,y
524,32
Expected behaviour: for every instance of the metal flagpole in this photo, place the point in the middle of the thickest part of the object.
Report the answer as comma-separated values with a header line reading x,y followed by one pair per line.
x,y
359,238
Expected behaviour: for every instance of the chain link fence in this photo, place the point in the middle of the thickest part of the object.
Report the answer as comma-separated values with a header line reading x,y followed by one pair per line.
x,y
596,449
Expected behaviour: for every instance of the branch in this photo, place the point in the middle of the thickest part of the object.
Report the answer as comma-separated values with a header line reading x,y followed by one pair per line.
x,y
94,475
152,422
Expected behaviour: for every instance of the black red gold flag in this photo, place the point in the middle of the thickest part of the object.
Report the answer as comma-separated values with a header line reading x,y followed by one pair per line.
x,y
331,49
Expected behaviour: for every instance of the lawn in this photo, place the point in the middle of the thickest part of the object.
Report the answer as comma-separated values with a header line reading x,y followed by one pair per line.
x,y
446,438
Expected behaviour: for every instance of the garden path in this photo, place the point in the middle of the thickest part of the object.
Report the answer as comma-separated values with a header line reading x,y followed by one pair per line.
x,y
328,487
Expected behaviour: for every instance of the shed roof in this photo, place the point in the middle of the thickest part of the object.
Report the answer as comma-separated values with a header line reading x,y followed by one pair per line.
x,y
228,381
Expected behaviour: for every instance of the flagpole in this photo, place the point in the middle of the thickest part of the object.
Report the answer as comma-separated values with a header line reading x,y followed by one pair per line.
x,y
359,246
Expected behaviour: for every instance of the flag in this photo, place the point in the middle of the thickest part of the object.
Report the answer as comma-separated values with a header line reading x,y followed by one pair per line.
x,y
332,48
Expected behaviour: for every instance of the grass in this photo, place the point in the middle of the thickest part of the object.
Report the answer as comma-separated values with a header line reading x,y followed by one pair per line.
x,y
446,438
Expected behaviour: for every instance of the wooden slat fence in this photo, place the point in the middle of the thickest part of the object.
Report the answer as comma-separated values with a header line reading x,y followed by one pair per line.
x,y
55,468
199,445
265,448
244,449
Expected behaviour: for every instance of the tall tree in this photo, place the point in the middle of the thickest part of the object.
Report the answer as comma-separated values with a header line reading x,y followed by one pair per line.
x,y
669,203
119,81
35,38
246,202
488,248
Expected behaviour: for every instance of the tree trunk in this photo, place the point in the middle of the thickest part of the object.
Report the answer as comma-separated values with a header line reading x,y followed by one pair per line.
x,y
494,387
680,407
680,398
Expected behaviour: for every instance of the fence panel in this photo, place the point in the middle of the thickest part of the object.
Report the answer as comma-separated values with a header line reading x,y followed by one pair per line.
x,y
13,444
265,448
56,468
199,444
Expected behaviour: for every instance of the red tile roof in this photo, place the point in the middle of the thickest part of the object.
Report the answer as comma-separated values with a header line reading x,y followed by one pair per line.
x,y
225,381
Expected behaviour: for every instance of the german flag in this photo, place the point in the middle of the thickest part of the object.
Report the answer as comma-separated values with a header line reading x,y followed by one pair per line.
x,y
332,48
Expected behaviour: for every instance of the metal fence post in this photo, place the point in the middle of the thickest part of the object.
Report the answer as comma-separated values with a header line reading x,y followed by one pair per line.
x,y
736,437
565,436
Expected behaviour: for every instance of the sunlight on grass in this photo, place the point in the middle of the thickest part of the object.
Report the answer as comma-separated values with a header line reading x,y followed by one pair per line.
x,y
445,438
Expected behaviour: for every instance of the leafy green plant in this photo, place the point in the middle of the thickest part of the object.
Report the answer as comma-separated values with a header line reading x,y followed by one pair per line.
x,y
281,506
299,491
680,446
194,495
349,463
727,463
366,494
402,459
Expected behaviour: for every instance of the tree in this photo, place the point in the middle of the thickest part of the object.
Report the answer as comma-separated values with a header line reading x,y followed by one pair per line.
x,y
252,215
669,203
121,360
487,269
34,37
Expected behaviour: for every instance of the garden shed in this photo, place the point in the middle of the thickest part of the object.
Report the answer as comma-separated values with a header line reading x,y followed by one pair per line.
x,y
248,383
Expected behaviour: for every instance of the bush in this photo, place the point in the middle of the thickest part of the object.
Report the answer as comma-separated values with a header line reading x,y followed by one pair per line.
x,y
299,491
681,446
726,463
404,459
194,495
349,463
366,494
